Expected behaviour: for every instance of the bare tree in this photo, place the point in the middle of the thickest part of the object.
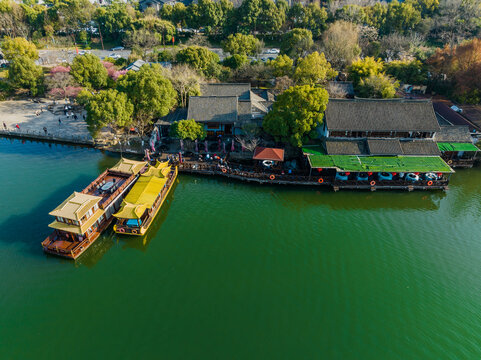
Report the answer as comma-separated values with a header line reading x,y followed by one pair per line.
x,y
456,20
186,81
341,43
336,90
250,138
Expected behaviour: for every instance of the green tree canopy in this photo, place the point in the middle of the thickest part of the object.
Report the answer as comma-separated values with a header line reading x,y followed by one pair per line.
x,y
23,73
311,17
187,129
377,86
108,108
296,114
240,44
235,61
408,72
200,58
401,17
260,16
14,47
363,68
281,66
150,92
313,69
89,71
296,42
113,19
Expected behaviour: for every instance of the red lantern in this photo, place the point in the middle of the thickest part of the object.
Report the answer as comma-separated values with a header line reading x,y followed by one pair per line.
x,y
394,174
416,173
440,174
348,173
369,173
319,169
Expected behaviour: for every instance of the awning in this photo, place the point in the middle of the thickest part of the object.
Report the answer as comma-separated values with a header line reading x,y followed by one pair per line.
x,y
380,163
454,146
262,153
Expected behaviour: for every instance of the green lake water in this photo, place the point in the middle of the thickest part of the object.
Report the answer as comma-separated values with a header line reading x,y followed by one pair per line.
x,y
239,271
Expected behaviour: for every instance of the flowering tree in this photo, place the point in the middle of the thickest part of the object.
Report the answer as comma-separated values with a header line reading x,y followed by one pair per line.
x,y
58,81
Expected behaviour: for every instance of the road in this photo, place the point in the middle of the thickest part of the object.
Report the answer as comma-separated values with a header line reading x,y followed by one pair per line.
x,y
58,56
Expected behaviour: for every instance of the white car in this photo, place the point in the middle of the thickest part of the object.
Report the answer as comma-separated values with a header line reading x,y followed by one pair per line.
x,y
114,56
117,48
273,51
83,52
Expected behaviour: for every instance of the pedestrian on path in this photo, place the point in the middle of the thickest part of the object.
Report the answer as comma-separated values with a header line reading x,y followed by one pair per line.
x,y
59,122
45,130
5,125
17,126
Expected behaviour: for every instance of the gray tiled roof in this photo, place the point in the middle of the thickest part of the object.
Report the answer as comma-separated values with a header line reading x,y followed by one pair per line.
x,y
222,109
380,115
240,90
384,146
346,147
420,147
453,133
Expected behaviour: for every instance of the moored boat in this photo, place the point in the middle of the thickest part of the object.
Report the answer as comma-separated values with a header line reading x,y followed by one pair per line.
x,y
144,200
81,218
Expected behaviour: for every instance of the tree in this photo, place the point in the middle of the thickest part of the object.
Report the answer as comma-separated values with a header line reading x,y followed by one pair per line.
x,y
187,130
235,61
151,93
164,29
113,19
59,80
141,40
18,46
250,136
296,114
198,57
455,20
186,81
296,42
378,86
311,17
400,17
240,44
341,43
260,16
74,13
408,72
89,71
363,68
281,66
313,69
23,73
108,108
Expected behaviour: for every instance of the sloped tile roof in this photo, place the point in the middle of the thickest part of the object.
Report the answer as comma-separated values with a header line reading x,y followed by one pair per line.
x,y
380,115
262,153
346,147
219,109
384,146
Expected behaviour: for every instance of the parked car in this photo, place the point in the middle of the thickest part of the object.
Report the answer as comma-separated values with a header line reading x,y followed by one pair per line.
x,y
114,56
83,52
273,51
117,48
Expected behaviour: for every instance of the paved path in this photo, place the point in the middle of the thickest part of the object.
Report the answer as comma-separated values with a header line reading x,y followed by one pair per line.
x,y
23,113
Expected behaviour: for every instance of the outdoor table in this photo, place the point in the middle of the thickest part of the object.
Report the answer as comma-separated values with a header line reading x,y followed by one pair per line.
x,y
107,186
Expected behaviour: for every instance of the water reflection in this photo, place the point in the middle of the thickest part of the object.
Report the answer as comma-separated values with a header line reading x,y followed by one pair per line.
x,y
142,242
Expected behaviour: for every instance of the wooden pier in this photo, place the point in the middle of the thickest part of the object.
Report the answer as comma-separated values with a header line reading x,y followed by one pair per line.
x,y
231,172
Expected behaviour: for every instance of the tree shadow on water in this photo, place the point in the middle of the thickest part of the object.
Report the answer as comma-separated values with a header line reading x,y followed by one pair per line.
x,y
31,228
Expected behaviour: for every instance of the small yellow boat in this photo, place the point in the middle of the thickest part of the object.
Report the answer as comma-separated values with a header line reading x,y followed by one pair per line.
x,y
144,200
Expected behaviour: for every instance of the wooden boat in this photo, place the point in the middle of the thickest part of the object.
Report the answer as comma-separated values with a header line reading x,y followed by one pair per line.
x,y
144,200
81,218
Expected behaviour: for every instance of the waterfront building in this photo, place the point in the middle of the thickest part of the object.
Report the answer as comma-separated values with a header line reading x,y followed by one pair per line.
x,y
224,108
380,143
456,145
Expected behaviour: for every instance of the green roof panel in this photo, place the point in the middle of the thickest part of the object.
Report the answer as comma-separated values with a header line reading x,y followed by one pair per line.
x,y
380,163
446,146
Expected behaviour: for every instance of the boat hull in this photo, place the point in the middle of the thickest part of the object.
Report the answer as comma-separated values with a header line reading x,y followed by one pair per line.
x,y
124,230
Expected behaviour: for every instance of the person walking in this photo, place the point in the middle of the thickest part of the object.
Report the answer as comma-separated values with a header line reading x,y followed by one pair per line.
x,y
17,126
45,130
59,122
5,125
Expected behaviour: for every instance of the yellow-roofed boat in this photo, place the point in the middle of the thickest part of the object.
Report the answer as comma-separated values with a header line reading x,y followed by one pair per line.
x,y
81,218
144,200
